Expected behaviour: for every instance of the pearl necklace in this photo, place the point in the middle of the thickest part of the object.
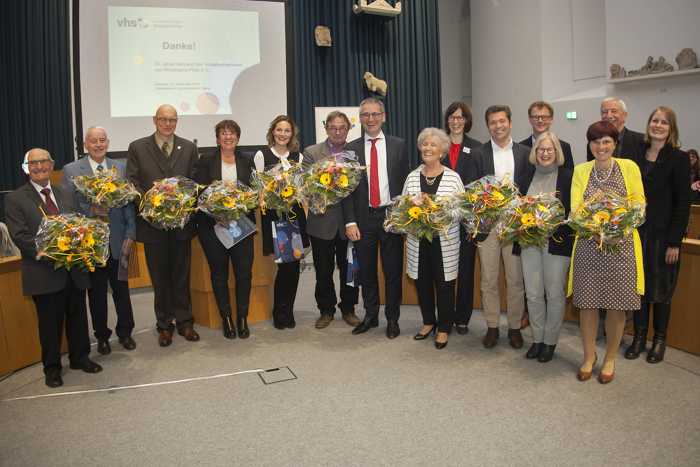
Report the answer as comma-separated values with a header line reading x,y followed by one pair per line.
x,y
603,180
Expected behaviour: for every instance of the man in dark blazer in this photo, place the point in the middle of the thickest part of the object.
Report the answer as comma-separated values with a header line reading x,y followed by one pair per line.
x,y
502,157
327,234
386,159
168,252
57,293
630,144
541,115
122,230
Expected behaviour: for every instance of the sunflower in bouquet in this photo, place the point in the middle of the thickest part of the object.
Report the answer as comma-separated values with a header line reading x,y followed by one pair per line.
x,y
421,215
329,181
530,220
227,201
106,188
482,203
73,240
608,218
278,188
170,202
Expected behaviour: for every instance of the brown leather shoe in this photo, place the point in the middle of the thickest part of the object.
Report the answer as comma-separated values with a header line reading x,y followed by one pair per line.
x,y
605,379
324,321
515,338
189,333
351,318
491,338
586,375
165,337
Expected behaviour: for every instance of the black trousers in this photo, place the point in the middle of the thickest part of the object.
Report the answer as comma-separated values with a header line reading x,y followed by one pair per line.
x,y
241,256
373,236
430,283
328,253
97,298
51,310
465,281
286,282
169,266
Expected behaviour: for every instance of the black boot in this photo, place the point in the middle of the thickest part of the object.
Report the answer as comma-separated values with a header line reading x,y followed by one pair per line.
x,y
641,323
242,323
662,315
227,327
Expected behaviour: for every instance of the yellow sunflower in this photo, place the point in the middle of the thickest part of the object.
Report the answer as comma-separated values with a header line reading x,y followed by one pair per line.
x,y
287,192
473,197
63,243
88,241
325,179
228,202
157,200
343,181
497,196
601,217
527,219
415,212
110,187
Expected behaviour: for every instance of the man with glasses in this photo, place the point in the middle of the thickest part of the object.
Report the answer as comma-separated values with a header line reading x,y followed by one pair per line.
x,y
327,233
57,293
386,160
161,155
541,116
629,144
122,229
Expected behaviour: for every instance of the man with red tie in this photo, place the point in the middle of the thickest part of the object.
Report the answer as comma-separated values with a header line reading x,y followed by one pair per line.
x,y
59,295
364,211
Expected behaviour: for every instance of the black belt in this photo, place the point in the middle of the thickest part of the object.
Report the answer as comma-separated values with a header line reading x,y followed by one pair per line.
x,y
379,210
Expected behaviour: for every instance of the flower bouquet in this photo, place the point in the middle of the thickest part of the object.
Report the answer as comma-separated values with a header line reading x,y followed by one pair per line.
x,y
530,220
608,218
227,201
330,180
73,240
278,188
106,189
482,203
421,215
169,203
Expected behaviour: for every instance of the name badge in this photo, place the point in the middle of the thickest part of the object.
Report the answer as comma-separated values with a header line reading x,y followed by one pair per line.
x,y
466,150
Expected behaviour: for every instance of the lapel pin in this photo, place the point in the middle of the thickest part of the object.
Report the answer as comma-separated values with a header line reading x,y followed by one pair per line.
x,y
178,148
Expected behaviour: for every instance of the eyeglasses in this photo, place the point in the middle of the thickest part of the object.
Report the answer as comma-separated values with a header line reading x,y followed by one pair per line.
x,y
38,162
455,118
540,118
545,150
163,120
367,115
336,129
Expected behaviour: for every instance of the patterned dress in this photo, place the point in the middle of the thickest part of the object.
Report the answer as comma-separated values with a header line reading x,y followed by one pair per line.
x,y
605,280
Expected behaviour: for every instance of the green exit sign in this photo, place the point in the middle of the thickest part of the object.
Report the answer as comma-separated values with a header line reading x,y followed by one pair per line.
x,y
571,116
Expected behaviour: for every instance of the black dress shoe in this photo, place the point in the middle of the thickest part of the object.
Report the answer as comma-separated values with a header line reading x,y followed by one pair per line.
x,y
87,365
365,326
242,323
392,329
462,329
127,342
440,345
227,327
103,347
53,378
546,354
534,350
491,338
515,338
420,337
292,324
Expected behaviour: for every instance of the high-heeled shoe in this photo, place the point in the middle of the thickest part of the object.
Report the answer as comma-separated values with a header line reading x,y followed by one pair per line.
x,y
420,337
227,327
242,324
440,345
605,379
586,375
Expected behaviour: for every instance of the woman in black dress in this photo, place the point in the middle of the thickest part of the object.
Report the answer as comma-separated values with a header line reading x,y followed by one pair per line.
x,y
282,138
664,169
226,163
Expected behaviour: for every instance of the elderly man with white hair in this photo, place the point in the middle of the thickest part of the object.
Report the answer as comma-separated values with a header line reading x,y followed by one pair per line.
x,y
629,142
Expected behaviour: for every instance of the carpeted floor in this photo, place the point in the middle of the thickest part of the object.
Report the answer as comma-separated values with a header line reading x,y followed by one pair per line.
x,y
357,400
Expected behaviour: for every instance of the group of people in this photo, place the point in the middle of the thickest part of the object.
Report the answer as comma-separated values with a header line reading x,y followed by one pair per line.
x,y
641,276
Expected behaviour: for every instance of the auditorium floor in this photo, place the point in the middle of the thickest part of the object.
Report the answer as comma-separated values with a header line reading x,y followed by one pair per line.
x,y
356,400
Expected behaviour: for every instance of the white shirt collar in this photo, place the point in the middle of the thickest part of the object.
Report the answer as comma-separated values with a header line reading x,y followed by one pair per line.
x,y
380,136
38,187
507,147
94,163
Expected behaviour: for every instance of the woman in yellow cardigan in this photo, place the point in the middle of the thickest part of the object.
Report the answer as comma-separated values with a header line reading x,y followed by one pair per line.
x,y
614,282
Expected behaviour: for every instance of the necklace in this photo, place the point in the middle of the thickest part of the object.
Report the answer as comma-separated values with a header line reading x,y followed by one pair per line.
x,y
431,180
602,180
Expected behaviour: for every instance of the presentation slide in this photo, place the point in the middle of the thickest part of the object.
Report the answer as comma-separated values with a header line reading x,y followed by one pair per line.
x,y
186,57
210,59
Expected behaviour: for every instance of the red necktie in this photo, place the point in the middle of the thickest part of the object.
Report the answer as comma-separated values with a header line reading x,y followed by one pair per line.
x,y
374,198
51,208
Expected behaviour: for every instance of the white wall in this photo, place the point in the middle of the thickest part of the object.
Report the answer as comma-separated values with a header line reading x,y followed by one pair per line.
x,y
455,52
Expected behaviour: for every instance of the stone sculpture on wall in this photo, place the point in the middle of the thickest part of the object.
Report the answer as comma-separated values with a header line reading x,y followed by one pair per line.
x,y
687,59
375,84
617,71
652,66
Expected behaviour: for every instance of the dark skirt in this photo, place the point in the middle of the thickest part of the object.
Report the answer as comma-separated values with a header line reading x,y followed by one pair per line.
x,y
659,278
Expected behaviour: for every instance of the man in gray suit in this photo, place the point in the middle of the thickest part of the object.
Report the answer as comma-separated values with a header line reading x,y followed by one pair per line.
x,y
57,293
327,233
161,155
122,230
